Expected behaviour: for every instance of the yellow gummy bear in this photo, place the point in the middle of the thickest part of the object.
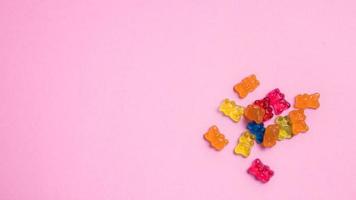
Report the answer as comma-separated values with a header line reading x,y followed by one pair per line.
x,y
230,109
244,145
285,131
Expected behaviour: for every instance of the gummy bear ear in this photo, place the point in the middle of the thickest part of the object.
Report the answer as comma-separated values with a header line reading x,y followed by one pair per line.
x,y
214,128
257,161
316,95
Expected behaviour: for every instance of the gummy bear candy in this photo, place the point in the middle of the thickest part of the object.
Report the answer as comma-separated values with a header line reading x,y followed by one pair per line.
x,y
244,145
264,103
256,129
215,138
297,120
307,101
285,131
260,171
277,101
254,113
246,86
271,135
230,109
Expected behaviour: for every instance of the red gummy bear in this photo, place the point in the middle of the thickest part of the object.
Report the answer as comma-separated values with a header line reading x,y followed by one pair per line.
x,y
261,172
264,103
277,101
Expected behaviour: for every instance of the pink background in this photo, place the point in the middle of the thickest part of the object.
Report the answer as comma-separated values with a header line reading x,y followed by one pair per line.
x,y
110,99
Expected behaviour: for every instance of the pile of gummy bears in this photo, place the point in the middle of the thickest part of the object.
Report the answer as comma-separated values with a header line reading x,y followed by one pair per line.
x,y
260,111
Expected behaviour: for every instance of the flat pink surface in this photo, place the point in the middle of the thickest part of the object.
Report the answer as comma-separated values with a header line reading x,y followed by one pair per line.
x,y
110,99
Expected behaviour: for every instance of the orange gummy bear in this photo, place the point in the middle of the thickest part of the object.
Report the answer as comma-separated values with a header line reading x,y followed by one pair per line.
x,y
271,135
254,113
297,120
307,101
215,138
246,86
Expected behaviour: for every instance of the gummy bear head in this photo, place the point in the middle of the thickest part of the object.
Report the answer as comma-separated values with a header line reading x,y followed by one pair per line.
x,y
254,127
280,106
264,103
282,121
297,115
250,82
275,95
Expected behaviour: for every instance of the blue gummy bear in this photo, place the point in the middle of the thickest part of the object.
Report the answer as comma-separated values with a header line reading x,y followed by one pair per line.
x,y
258,130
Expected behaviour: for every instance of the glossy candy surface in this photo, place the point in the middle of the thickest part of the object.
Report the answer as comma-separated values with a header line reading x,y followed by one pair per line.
x,y
216,139
271,135
277,101
254,113
264,103
246,86
229,108
258,130
304,101
260,171
297,120
244,145
285,130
